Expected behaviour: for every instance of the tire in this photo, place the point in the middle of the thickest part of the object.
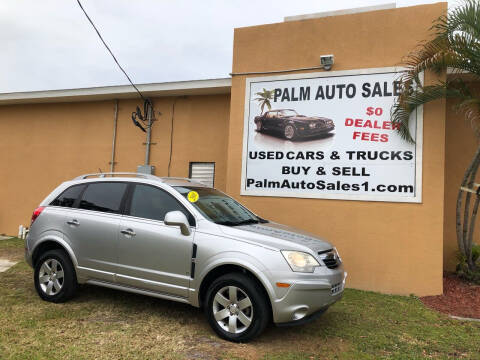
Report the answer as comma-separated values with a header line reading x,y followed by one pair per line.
x,y
290,132
50,282
259,125
247,291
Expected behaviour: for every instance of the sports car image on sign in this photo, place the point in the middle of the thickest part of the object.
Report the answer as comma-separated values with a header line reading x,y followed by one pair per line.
x,y
292,125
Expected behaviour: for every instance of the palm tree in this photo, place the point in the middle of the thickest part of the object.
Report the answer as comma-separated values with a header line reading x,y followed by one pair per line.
x,y
264,98
455,46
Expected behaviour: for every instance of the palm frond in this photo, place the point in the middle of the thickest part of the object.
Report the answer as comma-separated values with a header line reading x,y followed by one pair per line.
x,y
456,46
264,98
470,106
464,18
411,99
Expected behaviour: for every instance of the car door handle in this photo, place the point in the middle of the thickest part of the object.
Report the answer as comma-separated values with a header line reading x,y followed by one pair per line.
x,y
128,232
73,222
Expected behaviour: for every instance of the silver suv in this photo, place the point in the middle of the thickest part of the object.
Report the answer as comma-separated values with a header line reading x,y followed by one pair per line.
x,y
180,240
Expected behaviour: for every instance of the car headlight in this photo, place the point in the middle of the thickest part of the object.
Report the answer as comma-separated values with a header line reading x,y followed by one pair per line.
x,y
300,261
311,125
338,255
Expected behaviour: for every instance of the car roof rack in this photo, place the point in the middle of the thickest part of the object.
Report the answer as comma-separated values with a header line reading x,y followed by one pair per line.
x,y
166,179
177,178
112,174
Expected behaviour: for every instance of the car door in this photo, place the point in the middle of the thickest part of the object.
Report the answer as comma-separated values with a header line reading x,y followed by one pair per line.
x,y
267,120
91,227
279,122
152,255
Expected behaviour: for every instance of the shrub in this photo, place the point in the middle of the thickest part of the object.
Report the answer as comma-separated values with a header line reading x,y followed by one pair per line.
x,y
464,271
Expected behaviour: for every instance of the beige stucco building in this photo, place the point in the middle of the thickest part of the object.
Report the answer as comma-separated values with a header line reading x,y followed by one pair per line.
x,y
393,247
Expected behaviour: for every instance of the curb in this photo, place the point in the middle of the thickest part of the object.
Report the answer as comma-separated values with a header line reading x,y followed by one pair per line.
x,y
463,318
6,264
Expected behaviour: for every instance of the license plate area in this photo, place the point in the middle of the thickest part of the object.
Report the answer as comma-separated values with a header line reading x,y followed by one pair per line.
x,y
337,288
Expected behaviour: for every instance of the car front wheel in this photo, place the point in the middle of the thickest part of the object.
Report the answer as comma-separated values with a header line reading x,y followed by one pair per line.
x,y
236,307
54,276
289,132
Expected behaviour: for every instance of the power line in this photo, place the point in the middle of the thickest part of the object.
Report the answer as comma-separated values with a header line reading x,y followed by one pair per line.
x,y
110,51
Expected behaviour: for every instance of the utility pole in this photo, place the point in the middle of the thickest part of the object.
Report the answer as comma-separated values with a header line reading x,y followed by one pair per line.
x,y
149,133
146,168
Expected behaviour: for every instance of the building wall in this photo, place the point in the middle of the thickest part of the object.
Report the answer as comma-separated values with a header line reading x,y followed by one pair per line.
x,y
46,144
389,247
461,144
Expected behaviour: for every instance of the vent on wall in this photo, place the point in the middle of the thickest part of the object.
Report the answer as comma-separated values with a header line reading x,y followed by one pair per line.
x,y
203,172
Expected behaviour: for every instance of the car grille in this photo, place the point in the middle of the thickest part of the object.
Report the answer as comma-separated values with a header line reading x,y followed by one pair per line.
x,y
329,258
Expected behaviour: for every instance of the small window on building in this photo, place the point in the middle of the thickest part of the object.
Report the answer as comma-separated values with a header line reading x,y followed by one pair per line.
x,y
203,172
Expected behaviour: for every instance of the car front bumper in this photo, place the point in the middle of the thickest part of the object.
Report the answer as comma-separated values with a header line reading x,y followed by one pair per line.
x,y
305,298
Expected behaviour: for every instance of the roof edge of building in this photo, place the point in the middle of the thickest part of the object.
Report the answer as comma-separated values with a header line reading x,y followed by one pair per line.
x,y
357,10
175,88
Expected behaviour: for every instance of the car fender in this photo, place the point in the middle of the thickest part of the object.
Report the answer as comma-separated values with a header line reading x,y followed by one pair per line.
x,y
56,236
231,258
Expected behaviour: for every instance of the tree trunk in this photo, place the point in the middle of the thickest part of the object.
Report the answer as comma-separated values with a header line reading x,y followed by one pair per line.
x,y
458,223
465,230
469,244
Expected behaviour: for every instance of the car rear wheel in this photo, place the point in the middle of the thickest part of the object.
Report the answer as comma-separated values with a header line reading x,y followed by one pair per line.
x,y
54,277
236,307
289,132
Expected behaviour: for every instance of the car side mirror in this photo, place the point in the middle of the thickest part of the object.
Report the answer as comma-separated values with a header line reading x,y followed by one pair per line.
x,y
178,218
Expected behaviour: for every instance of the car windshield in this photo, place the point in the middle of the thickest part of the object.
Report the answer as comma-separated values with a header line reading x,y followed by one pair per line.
x,y
286,113
218,207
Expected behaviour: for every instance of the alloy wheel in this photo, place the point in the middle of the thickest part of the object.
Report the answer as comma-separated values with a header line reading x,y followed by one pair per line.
x,y
51,277
289,132
232,309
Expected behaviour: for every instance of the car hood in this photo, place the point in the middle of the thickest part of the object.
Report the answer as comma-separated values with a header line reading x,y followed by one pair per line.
x,y
309,118
277,236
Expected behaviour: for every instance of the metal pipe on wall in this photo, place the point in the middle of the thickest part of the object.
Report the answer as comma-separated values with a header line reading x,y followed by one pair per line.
x,y
114,140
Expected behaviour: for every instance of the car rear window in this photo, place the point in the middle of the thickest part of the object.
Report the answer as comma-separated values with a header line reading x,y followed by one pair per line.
x,y
104,197
69,196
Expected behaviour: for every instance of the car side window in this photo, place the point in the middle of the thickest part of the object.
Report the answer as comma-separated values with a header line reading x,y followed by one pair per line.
x,y
152,203
68,197
103,196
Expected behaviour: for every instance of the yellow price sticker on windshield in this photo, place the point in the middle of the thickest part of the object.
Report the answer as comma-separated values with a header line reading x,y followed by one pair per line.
x,y
192,196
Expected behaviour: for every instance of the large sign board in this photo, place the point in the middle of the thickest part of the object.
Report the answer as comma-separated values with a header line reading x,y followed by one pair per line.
x,y
329,135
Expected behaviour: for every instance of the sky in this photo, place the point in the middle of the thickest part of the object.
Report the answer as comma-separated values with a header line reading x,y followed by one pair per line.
x,y
49,44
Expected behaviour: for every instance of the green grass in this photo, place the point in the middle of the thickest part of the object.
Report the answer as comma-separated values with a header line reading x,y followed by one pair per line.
x,y
106,324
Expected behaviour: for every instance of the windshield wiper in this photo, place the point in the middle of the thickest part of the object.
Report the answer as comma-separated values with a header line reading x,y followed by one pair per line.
x,y
246,222
226,223
233,223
